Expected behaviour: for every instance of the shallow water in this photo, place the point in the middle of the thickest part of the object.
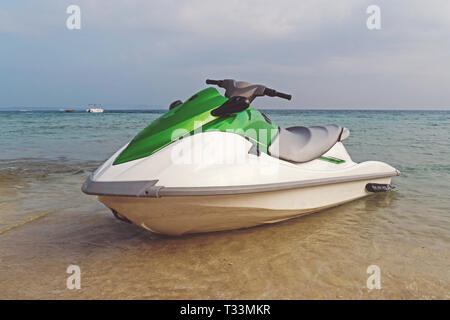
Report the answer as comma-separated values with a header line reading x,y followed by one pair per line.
x,y
47,155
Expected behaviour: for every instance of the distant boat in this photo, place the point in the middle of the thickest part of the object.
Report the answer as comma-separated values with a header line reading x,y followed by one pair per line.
x,y
93,108
69,110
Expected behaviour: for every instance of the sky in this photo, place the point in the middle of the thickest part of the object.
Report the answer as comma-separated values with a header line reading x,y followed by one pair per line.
x,y
149,53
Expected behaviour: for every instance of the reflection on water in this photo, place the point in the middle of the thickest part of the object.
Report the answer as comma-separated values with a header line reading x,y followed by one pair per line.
x,y
323,255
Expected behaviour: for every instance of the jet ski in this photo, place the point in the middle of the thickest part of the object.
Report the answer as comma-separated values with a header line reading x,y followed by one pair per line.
x,y
214,163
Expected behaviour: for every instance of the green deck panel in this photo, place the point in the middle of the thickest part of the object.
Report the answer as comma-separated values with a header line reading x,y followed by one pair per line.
x,y
194,116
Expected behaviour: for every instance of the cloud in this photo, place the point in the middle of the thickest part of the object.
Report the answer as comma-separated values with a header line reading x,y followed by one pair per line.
x,y
146,52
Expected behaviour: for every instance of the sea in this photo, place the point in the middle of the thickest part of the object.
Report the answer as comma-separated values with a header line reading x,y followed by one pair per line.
x,y
47,224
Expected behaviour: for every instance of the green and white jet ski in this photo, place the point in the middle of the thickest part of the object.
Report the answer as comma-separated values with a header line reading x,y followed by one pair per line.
x,y
216,163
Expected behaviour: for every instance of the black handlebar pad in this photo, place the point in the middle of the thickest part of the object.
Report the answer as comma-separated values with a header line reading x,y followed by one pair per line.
x,y
232,105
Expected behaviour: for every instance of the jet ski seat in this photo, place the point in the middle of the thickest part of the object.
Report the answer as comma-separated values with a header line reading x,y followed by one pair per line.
x,y
303,144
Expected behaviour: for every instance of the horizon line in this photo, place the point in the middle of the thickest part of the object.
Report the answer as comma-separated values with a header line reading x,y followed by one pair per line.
x,y
36,108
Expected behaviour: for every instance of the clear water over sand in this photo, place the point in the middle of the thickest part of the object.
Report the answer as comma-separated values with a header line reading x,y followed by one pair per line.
x,y
45,157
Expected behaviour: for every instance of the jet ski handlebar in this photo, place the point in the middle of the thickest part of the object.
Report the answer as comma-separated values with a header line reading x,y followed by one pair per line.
x,y
273,93
214,82
244,89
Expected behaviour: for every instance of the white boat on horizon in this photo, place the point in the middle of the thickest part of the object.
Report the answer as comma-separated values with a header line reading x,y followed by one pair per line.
x,y
94,109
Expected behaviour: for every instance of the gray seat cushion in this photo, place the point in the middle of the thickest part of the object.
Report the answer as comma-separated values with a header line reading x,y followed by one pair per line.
x,y
303,144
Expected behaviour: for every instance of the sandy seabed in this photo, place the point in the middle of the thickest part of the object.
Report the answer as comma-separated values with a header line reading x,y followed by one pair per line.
x,y
321,256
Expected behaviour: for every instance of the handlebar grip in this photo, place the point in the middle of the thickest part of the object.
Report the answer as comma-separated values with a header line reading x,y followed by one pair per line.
x,y
269,92
284,95
215,82
273,93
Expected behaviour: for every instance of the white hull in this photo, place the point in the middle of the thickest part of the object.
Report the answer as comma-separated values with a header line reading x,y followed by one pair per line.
x,y
178,190
194,214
